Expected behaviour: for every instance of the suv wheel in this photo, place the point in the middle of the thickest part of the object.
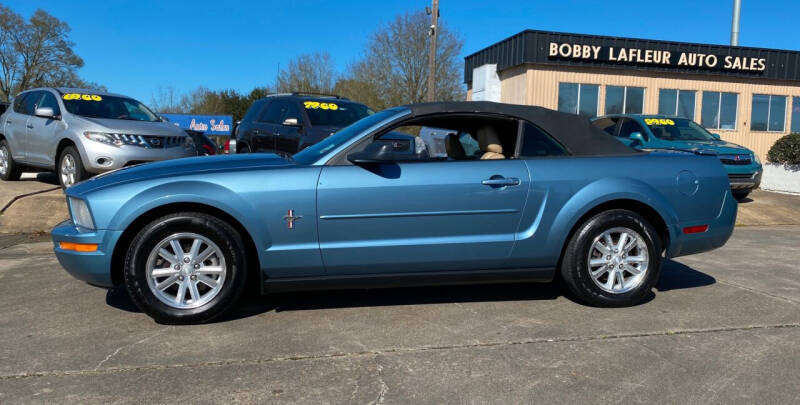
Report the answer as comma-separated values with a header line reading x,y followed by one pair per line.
x,y
185,268
613,259
9,170
70,167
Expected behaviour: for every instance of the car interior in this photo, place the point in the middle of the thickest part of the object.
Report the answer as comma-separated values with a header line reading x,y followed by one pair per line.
x,y
467,137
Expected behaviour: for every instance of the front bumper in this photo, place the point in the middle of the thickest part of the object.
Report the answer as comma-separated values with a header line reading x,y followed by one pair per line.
x,y
115,157
91,267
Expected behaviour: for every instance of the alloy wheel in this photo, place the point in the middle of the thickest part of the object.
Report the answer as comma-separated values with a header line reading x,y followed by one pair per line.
x,y
68,170
186,270
3,161
618,260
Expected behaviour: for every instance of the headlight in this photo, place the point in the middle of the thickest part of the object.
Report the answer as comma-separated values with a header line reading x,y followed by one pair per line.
x,y
102,137
756,159
79,211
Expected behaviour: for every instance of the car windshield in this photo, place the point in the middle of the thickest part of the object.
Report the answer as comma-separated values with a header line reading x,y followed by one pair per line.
x,y
673,129
110,107
316,151
333,113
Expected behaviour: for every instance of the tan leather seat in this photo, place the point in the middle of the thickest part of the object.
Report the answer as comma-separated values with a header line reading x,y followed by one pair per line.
x,y
490,143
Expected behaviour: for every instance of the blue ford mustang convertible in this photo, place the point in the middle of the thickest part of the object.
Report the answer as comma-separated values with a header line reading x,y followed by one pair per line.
x,y
524,194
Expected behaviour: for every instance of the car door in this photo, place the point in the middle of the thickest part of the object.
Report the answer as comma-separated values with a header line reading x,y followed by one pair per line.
x,y
265,126
419,216
15,127
288,137
41,135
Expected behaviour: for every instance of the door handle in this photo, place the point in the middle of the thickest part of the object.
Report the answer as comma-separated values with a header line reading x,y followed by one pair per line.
x,y
30,126
8,122
256,132
499,181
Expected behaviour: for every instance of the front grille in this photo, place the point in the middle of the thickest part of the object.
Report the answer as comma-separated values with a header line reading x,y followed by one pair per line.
x,y
740,176
736,160
149,141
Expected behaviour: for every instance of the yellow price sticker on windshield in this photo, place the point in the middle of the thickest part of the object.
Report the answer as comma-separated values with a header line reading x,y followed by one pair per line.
x,y
659,121
85,97
314,105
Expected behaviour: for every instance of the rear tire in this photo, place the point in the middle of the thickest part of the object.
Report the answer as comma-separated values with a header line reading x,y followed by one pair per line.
x,y
70,167
192,285
740,195
625,273
9,170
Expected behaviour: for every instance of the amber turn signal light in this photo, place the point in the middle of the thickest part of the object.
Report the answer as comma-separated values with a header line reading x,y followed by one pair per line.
x,y
78,247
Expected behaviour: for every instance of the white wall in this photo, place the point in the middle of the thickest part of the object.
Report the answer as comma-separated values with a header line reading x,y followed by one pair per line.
x,y
485,83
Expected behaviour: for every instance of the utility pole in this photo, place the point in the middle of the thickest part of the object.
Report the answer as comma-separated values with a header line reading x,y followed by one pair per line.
x,y
433,32
737,7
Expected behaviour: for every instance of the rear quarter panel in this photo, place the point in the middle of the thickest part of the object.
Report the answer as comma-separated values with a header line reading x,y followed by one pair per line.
x,y
565,189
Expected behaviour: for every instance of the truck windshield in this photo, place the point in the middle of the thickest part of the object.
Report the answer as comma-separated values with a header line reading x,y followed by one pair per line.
x,y
334,113
675,129
109,107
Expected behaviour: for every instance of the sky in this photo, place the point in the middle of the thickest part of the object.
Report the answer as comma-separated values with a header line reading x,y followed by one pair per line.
x,y
143,47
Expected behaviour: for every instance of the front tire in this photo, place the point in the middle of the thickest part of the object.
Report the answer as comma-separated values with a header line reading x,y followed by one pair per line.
x,y
9,170
613,259
186,268
70,167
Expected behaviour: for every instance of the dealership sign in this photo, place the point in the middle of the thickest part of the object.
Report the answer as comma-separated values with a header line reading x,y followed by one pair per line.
x,y
603,52
207,124
645,56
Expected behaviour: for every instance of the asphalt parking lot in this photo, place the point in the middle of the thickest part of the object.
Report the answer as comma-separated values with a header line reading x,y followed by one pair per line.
x,y
721,327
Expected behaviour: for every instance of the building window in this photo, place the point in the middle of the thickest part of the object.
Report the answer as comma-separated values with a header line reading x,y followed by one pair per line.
x,y
796,115
624,100
676,103
578,98
719,110
769,113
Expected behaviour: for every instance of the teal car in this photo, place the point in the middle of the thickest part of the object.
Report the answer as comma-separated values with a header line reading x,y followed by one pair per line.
x,y
658,132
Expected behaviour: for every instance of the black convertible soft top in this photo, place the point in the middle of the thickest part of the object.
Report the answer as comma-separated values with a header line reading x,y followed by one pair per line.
x,y
575,132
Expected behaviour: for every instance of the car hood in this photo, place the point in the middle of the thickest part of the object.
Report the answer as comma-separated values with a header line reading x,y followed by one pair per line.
x,y
721,147
179,167
136,127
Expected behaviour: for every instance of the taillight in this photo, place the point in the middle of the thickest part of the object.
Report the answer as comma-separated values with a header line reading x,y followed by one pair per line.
x,y
695,229
227,148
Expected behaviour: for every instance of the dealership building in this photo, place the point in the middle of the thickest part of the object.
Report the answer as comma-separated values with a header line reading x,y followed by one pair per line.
x,y
749,96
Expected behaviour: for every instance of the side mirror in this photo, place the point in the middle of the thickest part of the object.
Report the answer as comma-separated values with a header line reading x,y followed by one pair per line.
x,y
716,136
45,112
637,137
381,153
291,122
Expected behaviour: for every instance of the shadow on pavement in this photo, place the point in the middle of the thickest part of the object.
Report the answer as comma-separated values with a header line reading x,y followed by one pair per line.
x,y
677,276
674,276
48,177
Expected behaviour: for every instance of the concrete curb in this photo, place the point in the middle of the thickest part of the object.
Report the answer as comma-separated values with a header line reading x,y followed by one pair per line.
x,y
32,213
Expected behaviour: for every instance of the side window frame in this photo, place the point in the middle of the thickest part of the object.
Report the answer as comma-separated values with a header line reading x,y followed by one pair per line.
x,y
341,158
19,100
37,94
521,140
57,107
645,133
262,114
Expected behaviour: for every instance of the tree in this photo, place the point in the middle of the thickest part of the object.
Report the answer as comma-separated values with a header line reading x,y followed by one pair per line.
x,y
309,73
35,53
395,67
